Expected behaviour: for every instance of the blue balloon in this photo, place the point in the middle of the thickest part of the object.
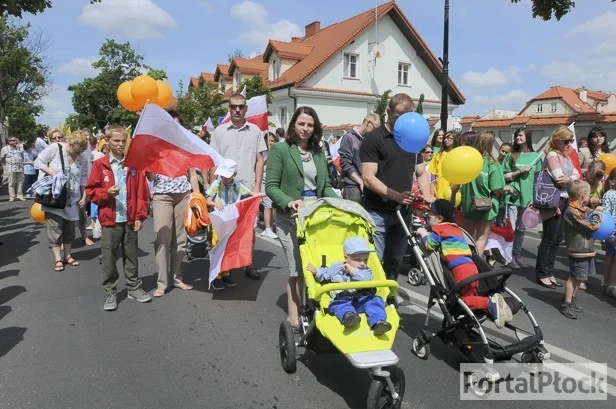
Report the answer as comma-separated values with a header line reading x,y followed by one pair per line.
x,y
412,132
607,227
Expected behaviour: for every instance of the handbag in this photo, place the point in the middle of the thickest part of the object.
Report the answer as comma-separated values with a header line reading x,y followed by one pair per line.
x,y
482,204
47,199
546,193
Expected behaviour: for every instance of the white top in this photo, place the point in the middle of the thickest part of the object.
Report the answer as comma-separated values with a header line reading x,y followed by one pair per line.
x,y
76,173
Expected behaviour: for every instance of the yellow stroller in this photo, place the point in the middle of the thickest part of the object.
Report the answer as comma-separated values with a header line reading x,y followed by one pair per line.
x,y
322,227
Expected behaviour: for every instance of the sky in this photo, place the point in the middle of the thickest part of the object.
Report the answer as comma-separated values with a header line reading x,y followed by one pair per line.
x,y
500,57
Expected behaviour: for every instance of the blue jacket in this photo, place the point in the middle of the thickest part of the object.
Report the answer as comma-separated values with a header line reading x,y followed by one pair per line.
x,y
336,274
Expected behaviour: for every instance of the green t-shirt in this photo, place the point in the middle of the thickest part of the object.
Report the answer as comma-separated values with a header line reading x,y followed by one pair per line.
x,y
489,180
524,183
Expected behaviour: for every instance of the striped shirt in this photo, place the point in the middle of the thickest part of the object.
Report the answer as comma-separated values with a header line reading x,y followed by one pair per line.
x,y
119,175
450,239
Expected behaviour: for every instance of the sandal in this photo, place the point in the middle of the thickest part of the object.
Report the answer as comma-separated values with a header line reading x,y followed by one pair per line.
x,y
71,261
158,293
252,272
183,286
59,266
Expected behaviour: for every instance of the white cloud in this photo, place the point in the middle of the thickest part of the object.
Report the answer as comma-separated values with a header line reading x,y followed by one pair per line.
x,y
492,78
511,100
133,19
57,105
80,66
260,29
603,26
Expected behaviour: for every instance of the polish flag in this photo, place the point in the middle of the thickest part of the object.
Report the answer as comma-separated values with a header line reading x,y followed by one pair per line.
x,y
161,145
208,125
572,152
501,238
256,114
234,226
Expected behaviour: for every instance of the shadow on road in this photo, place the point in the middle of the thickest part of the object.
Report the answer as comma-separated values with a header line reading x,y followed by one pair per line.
x,y
8,293
4,311
8,273
9,338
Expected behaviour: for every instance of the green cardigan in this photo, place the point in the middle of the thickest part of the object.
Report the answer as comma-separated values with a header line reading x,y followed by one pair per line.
x,y
284,178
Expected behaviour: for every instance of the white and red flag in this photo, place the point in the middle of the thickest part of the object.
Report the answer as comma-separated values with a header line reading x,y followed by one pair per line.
x,y
572,152
501,238
208,125
256,114
161,145
234,226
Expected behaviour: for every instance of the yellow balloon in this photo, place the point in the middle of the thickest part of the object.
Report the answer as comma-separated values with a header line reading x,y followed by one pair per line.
x,y
126,98
144,88
462,165
37,214
165,94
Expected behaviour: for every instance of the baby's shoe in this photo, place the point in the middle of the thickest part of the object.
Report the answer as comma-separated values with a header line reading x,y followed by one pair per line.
x,y
381,327
499,310
350,320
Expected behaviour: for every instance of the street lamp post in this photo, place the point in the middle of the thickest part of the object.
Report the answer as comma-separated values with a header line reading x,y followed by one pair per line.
x,y
445,61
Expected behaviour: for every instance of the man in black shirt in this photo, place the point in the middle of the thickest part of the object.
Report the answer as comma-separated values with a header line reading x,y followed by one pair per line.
x,y
387,172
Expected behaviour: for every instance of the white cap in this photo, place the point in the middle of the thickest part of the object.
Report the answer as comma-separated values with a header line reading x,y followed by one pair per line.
x,y
226,169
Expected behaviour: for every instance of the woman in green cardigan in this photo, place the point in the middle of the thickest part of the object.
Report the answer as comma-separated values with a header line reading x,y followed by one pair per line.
x,y
296,172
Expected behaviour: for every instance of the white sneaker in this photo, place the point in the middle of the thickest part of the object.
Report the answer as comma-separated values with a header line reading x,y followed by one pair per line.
x,y
270,234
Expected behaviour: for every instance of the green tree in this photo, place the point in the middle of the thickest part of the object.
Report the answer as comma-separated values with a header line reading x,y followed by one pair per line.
x,y
95,99
237,53
23,76
255,87
200,103
381,107
546,9
17,7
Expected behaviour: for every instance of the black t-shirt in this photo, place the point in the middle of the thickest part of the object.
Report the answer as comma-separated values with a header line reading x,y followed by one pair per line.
x,y
396,167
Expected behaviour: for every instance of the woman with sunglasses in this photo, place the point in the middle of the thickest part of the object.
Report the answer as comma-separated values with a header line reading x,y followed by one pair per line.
x,y
562,172
597,145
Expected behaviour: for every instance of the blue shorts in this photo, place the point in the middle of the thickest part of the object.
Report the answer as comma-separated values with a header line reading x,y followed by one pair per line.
x,y
581,268
610,249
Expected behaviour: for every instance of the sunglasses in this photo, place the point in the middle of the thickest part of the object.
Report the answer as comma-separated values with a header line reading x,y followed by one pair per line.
x,y
233,107
568,141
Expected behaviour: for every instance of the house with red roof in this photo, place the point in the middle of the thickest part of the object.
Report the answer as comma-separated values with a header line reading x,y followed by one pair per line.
x,y
342,69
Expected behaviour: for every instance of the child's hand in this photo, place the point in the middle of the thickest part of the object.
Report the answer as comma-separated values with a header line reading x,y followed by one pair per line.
x,y
311,268
113,191
422,231
349,269
599,208
220,207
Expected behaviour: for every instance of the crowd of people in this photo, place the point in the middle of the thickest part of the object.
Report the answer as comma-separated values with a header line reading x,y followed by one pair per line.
x,y
295,166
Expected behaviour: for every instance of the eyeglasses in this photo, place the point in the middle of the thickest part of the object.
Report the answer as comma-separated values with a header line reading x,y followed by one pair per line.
x,y
233,107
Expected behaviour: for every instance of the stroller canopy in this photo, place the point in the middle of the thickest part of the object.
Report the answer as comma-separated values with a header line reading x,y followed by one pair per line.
x,y
341,212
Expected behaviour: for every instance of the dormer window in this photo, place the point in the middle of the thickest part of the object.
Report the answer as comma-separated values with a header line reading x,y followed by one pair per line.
x,y
275,69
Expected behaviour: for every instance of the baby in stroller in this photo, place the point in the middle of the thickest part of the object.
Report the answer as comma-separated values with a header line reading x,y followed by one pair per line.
x,y
447,236
347,304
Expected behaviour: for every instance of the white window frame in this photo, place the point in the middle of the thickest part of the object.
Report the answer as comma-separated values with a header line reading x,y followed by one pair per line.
x,y
402,64
283,116
539,108
553,107
344,66
238,78
275,69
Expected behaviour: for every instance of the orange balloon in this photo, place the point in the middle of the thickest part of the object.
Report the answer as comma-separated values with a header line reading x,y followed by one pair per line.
x,y
144,88
165,94
37,213
610,161
126,98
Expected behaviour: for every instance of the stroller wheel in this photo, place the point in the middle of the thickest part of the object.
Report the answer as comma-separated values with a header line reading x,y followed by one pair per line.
x,y
381,396
415,276
424,279
530,357
420,349
286,341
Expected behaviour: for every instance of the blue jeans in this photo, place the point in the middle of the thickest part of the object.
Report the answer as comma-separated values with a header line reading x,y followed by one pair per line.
x,y
390,241
514,213
372,305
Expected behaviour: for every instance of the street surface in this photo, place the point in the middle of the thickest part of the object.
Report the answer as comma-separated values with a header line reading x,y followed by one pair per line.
x,y
203,349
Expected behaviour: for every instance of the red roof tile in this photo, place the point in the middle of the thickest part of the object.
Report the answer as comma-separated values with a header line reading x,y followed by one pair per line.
x,y
569,96
539,120
207,76
222,70
492,123
248,66
291,51
469,119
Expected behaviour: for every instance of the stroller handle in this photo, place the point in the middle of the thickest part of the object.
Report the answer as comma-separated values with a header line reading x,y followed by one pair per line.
x,y
355,285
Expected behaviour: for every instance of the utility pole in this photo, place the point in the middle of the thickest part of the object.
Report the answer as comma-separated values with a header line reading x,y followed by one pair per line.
x,y
445,62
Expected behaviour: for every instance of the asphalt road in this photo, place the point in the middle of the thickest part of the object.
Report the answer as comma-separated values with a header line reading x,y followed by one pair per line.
x,y
199,349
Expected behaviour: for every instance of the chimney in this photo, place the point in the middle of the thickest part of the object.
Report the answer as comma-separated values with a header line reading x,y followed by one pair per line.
x,y
583,95
295,39
313,28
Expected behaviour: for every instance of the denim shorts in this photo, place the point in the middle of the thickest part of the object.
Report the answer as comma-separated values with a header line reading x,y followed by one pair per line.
x,y
610,249
581,268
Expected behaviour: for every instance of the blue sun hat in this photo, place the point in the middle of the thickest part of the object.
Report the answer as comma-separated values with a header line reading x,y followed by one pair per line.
x,y
356,245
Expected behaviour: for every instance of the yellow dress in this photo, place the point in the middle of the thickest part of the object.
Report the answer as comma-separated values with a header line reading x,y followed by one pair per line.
x,y
442,188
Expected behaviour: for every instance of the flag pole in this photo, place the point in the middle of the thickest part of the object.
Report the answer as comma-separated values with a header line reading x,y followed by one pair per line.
x,y
137,126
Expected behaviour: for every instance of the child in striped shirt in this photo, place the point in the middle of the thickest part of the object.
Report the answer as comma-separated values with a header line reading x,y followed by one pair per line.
x,y
447,237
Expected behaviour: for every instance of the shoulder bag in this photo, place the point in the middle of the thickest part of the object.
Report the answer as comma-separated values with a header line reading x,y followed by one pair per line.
x,y
546,193
47,199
